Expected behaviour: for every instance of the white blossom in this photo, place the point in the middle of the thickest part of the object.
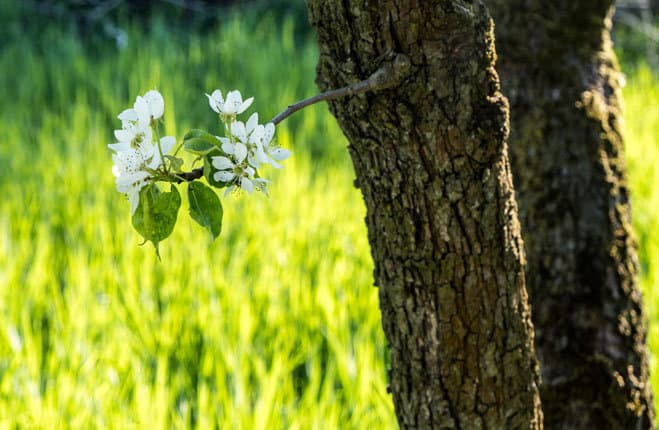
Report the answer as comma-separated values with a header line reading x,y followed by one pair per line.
x,y
231,106
130,174
136,126
130,167
266,151
131,136
234,173
155,104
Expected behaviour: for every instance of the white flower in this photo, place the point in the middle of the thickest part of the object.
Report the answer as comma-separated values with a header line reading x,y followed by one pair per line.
x,y
266,151
136,122
130,174
149,107
247,146
130,167
225,169
155,103
238,149
131,136
261,184
245,131
231,106
234,174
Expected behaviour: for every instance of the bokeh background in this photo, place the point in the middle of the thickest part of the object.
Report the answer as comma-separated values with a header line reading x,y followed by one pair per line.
x,y
276,324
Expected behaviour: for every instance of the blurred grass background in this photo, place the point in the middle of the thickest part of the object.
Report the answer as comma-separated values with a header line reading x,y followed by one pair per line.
x,y
276,325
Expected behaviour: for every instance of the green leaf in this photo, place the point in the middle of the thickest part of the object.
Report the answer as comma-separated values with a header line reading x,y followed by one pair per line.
x,y
175,162
205,207
200,142
156,214
195,132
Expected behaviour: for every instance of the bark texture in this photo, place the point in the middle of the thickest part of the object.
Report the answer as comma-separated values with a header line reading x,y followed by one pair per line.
x,y
431,161
559,71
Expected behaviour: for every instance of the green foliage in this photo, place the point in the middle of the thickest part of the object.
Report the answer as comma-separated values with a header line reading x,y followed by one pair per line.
x,y
200,142
175,163
205,207
155,216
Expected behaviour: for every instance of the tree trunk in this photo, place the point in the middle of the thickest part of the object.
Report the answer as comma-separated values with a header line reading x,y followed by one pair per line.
x,y
561,75
431,161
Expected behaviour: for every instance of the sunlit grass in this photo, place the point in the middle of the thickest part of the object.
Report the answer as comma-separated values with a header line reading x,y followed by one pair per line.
x,y
276,325
642,150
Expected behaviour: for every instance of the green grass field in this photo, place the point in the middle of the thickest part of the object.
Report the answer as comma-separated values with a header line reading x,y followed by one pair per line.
x,y
276,324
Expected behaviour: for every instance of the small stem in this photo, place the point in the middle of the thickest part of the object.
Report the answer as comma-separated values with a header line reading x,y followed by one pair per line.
x,y
178,148
162,157
389,75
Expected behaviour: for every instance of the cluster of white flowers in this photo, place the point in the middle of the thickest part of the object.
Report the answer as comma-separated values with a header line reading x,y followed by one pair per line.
x,y
141,157
136,155
246,147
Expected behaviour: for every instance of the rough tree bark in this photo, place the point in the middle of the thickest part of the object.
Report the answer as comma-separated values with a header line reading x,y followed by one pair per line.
x,y
559,71
431,161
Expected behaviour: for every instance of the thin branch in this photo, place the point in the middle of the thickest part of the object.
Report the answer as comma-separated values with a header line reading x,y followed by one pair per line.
x,y
190,176
350,90
387,76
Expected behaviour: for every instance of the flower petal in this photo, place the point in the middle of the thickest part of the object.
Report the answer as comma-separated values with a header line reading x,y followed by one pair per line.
x,y
274,164
261,185
224,176
268,133
126,181
120,146
232,103
246,185
167,143
238,130
246,104
143,114
215,100
260,155
217,95
123,135
128,115
227,146
256,137
156,103
255,163
252,122
240,152
134,199
280,154
222,163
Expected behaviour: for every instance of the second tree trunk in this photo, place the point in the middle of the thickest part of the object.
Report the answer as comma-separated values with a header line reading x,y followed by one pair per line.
x,y
559,71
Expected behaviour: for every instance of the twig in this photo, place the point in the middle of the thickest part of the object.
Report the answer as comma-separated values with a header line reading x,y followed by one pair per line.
x,y
387,76
190,176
